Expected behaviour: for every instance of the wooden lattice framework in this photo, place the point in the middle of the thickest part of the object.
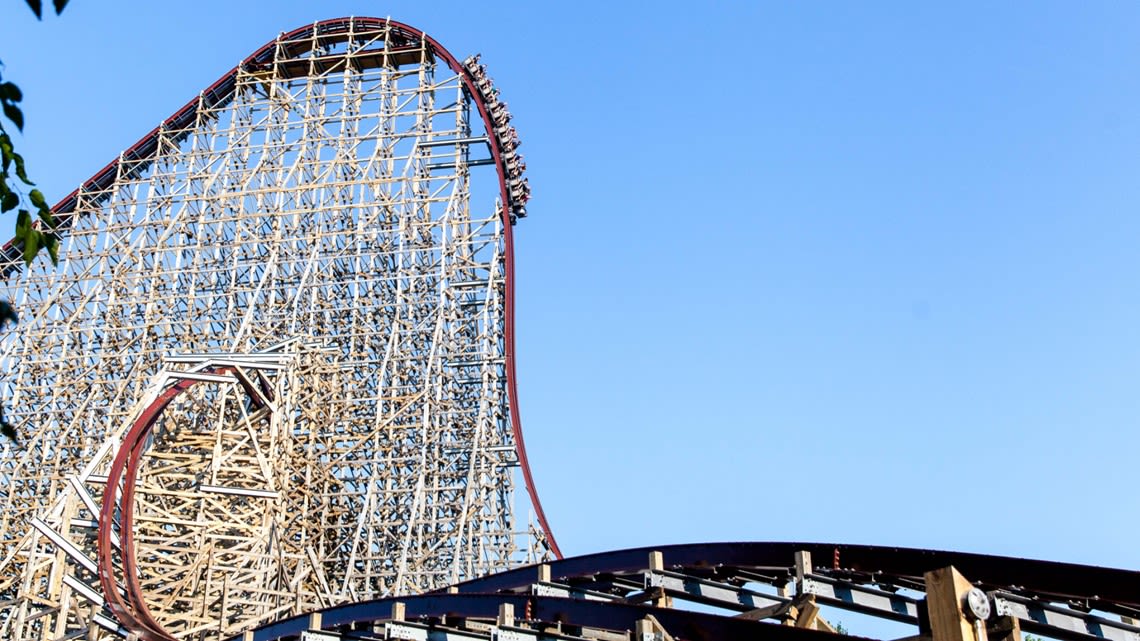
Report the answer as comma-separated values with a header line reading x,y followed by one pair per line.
x,y
329,224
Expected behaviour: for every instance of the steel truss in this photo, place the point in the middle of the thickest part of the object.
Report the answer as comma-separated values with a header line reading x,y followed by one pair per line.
x,y
273,370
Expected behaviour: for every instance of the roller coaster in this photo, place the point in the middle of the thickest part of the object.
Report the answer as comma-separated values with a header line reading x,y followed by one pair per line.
x,y
270,392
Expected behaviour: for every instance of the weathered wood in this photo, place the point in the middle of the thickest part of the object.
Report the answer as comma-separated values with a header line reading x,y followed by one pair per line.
x,y
1004,628
656,625
946,589
803,568
506,616
809,613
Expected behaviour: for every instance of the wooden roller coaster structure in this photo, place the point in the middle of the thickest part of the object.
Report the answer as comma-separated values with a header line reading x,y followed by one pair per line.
x,y
274,369
270,393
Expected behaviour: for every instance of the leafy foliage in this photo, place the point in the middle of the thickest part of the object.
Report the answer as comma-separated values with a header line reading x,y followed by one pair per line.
x,y
36,232
32,235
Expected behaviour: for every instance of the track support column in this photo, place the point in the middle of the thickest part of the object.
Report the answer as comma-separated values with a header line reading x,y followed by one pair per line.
x,y
946,595
657,564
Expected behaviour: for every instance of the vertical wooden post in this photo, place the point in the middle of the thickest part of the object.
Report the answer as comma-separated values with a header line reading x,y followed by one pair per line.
x,y
1006,628
315,621
657,564
398,611
945,590
789,617
544,573
803,568
93,630
506,615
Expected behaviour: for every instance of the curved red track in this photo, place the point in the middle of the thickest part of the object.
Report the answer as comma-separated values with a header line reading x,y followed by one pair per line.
x,y
131,609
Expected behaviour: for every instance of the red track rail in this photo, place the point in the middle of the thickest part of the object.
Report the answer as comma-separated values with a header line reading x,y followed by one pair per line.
x,y
131,609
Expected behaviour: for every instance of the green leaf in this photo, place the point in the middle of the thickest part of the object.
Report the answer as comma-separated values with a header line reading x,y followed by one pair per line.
x,y
6,151
23,224
36,7
15,115
53,248
11,201
37,198
31,246
20,171
59,5
9,91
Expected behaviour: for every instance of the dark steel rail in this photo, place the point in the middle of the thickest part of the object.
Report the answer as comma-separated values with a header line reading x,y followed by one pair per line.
x,y
1044,579
682,624
607,590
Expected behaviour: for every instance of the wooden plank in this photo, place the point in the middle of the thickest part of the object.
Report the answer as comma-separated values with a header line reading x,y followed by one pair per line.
x,y
1006,628
809,613
803,568
945,590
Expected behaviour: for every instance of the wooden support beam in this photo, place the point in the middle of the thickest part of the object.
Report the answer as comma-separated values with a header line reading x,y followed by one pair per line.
x,y
93,630
506,615
946,589
803,568
656,625
1007,628
775,611
657,564
788,616
804,613
808,615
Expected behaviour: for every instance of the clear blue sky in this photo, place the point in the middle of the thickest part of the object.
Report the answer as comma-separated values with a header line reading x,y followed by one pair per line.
x,y
845,272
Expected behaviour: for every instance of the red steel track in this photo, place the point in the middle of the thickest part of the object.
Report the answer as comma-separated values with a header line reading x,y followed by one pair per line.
x,y
131,609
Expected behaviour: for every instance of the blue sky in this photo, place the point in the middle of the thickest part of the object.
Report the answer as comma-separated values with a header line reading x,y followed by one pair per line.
x,y
842,272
